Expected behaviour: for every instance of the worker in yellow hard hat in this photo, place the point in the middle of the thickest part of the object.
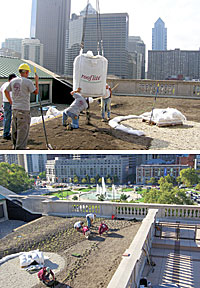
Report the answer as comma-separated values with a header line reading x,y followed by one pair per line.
x,y
24,67
21,88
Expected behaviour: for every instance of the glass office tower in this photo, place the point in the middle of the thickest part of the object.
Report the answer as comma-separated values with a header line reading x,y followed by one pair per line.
x,y
49,24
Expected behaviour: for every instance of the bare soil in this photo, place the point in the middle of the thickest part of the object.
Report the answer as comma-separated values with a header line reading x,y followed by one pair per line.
x,y
99,135
99,256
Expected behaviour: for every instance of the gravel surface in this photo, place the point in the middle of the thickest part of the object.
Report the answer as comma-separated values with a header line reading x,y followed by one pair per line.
x,y
11,275
180,137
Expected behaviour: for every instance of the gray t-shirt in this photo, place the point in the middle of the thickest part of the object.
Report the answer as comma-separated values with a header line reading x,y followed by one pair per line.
x,y
78,105
21,89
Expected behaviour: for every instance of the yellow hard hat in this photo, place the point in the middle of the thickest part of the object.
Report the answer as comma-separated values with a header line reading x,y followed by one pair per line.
x,y
24,66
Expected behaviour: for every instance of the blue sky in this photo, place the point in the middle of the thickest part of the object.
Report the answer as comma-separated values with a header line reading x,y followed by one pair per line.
x,y
181,18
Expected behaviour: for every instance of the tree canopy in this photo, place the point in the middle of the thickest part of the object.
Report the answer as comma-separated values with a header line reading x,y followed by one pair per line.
x,y
167,194
189,177
42,175
14,177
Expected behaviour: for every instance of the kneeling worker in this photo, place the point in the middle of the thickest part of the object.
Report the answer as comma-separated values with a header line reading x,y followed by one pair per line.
x,y
44,276
73,111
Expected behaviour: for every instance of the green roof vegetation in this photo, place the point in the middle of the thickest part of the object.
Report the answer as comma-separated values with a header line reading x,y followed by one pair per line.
x,y
10,65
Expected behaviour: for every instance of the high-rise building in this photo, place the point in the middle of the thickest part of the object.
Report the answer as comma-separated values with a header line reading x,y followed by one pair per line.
x,y
32,50
171,64
114,30
49,24
14,44
136,49
35,163
159,35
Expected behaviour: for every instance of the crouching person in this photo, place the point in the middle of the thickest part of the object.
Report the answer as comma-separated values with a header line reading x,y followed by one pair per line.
x,y
73,111
86,232
103,228
45,275
78,225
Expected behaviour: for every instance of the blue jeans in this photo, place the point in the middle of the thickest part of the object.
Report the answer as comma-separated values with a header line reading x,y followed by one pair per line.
x,y
7,118
88,222
105,107
75,119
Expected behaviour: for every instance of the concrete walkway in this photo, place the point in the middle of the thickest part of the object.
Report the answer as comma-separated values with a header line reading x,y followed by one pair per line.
x,y
177,261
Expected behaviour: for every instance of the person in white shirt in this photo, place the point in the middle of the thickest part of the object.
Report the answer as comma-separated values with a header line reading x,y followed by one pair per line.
x,y
90,219
7,107
106,104
78,225
73,111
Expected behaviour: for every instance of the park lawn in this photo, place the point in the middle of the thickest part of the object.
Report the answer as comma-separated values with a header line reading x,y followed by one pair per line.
x,y
62,194
127,189
86,190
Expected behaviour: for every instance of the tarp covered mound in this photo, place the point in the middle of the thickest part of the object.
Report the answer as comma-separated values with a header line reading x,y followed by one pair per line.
x,y
164,117
31,258
90,73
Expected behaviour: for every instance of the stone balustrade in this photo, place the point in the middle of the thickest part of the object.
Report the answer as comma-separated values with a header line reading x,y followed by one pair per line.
x,y
149,88
49,205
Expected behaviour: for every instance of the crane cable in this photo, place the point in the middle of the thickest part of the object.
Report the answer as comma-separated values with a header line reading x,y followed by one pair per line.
x,y
84,26
99,29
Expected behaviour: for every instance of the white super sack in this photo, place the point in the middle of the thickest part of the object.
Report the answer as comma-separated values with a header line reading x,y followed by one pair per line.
x,y
89,73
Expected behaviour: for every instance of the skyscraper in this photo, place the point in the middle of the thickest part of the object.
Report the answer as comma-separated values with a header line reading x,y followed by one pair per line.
x,y
136,49
32,50
49,24
174,63
159,35
114,28
14,44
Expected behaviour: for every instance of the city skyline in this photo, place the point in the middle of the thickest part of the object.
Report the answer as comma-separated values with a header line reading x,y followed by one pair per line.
x,y
182,31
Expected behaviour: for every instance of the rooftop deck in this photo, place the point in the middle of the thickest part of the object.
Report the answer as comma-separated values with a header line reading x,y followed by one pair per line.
x,y
177,261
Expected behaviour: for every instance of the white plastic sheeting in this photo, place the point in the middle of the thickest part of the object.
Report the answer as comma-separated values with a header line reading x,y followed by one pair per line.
x,y
9,257
28,258
89,73
114,123
164,117
51,113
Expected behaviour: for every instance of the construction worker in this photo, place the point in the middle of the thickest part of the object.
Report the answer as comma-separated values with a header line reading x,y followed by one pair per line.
x,y
86,232
21,88
103,228
90,219
7,107
106,104
44,275
73,111
78,225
